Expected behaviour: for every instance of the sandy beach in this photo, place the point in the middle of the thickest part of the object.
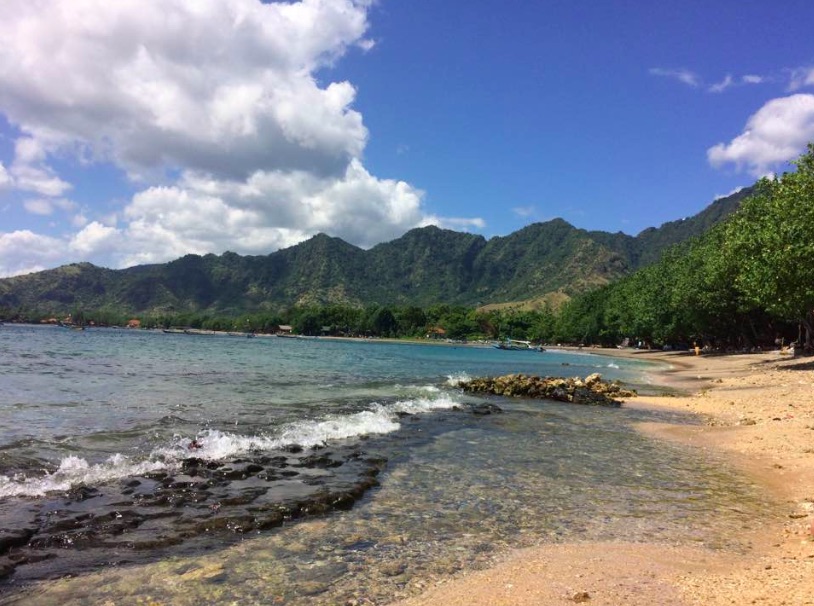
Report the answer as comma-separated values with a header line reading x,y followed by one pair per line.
x,y
758,411
756,414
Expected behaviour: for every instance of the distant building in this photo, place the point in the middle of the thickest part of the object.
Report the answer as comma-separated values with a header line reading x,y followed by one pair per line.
x,y
134,323
284,329
436,332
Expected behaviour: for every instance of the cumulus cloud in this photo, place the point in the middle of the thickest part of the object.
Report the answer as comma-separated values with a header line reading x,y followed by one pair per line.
x,y
684,76
225,86
778,132
23,252
95,238
214,106
268,211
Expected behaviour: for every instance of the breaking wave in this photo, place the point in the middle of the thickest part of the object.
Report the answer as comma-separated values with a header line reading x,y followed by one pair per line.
x,y
216,445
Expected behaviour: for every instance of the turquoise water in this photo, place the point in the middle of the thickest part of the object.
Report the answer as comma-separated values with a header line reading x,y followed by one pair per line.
x,y
118,398
90,411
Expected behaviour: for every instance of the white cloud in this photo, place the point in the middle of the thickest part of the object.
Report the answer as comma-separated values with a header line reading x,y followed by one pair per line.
x,y
95,238
40,180
692,79
39,206
268,211
722,85
778,132
682,75
734,191
46,206
801,77
366,45
214,106
729,82
5,178
79,220
23,252
223,86
30,172
524,211
456,223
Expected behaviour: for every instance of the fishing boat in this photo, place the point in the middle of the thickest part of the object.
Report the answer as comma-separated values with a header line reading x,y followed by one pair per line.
x,y
513,345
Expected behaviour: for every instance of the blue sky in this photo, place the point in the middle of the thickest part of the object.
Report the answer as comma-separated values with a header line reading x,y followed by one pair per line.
x,y
136,132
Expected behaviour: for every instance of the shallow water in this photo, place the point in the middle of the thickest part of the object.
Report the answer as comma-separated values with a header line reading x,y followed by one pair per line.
x,y
456,489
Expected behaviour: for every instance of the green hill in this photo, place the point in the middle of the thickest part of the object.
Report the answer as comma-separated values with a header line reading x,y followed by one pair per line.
x,y
424,266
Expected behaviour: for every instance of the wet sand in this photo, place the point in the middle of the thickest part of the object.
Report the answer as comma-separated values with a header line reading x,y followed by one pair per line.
x,y
759,412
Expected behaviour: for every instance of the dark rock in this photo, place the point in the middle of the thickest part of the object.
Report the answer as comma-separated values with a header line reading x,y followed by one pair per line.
x,y
6,569
485,409
14,538
80,493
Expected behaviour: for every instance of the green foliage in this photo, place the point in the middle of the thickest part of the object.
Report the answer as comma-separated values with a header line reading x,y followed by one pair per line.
x,y
743,283
772,237
424,267
736,281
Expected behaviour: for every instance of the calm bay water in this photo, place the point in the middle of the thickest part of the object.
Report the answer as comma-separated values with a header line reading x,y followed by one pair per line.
x,y
98,424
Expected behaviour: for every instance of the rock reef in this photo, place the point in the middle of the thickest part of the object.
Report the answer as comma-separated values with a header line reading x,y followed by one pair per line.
x,y
591,391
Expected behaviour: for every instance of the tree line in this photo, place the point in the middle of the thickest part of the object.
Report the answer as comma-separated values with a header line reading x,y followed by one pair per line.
x,y
746,283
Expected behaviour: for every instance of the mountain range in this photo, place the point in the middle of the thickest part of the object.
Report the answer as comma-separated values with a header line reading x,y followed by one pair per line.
x,y
423,267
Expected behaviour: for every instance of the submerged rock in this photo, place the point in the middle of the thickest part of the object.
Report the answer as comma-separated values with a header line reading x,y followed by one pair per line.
x,y
142,517
592,390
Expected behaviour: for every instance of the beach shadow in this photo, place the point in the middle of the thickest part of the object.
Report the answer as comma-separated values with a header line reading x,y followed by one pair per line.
x,y
803,365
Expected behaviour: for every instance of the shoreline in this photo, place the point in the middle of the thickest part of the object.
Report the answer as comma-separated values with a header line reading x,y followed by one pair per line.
x,y
758,413
741,401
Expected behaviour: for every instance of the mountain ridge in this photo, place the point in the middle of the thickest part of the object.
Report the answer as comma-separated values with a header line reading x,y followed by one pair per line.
x,y
424,266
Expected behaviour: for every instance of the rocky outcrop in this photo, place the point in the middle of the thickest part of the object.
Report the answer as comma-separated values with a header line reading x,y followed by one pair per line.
x,y
592,390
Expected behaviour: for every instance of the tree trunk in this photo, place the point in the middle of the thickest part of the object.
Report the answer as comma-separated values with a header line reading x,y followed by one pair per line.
x,y
808,324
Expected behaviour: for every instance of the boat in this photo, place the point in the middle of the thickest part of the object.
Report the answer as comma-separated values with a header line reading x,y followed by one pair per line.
x,y
513,345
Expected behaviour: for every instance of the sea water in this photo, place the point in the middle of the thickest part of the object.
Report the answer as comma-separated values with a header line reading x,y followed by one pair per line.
x,y
320,470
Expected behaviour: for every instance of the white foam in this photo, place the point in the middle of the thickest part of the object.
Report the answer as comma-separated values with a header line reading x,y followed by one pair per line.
x,y
74,471
454,379
217,445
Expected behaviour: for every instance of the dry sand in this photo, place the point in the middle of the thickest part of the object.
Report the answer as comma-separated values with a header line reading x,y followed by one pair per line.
x,y
759,409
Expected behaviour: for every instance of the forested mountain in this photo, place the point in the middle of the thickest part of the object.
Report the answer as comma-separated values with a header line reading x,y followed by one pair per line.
x,y
425,266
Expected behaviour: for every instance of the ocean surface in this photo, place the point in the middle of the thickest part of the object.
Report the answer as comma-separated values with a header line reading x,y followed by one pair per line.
x,y
317,471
